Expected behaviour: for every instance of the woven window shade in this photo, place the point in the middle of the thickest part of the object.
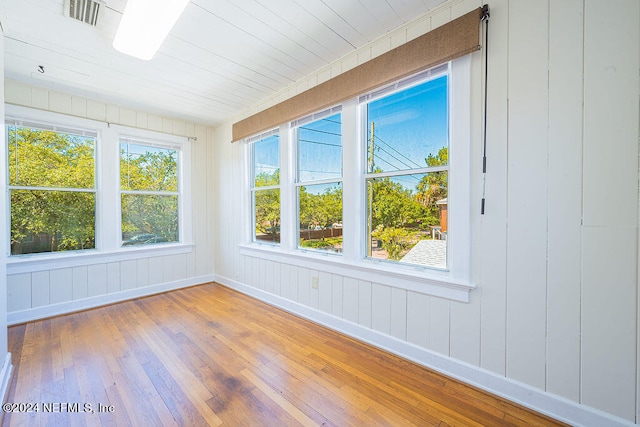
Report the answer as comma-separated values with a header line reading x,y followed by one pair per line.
x,y
452,40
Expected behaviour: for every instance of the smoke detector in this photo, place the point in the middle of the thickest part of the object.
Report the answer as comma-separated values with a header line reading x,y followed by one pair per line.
x,y
87,11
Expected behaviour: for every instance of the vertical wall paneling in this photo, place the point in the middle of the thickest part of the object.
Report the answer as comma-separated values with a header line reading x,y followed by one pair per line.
x,y
350,300
142,269
113,277
268,277
418,316
19,292
61,285
156,271
337,298
314,293
398,313
527,192
80,283
40,289
168,264
493,253
364,303
293,283
276,278
128,274
261,281
304,286
98,279
381,308
609,321
439,326
564,197
325,285
285,275
465,330
610,206
212,218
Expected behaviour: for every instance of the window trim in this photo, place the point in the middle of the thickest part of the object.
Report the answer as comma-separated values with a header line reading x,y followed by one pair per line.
x,y
379,94
125,138
107,189
252,187
455,283
298,183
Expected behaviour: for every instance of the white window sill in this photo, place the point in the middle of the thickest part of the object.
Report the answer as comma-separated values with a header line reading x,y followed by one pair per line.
x,y
29,263
416,279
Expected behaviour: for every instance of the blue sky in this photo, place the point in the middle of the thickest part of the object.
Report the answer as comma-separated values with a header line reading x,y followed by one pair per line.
x,y
409,125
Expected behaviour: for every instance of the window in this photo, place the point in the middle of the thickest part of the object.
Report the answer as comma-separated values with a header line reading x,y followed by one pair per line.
x,y
80,189
388,172
52,188
407,146
265,188
319,182
149,193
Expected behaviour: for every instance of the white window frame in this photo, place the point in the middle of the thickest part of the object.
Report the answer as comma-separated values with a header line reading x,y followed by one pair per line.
x,y
250,144
295,125
162,144
453,283
107,174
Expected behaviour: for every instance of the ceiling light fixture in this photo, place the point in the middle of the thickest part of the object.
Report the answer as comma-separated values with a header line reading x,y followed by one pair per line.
x,y
145,24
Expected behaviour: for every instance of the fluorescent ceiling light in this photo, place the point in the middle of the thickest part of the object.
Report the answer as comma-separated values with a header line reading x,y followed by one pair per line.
x,y
145,24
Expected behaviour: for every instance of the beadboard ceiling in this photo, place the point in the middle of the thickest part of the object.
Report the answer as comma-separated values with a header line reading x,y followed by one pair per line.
x,y
220,58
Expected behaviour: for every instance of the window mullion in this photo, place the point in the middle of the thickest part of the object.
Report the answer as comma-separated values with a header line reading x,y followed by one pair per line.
x,y
352,192
288,211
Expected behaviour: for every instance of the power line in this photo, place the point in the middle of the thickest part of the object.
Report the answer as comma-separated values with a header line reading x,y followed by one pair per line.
x,y
320,143
321,131
402,155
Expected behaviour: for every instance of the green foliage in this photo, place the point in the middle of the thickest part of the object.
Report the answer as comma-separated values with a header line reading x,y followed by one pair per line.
x,y
51,220
327,243
320,210
153,170
434,186
149,169
394,240
392,205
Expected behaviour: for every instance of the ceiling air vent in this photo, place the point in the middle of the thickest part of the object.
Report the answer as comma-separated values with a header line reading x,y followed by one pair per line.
x,y
87,11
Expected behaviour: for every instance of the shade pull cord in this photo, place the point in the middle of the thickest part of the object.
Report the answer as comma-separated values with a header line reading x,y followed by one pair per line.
x,y
485,19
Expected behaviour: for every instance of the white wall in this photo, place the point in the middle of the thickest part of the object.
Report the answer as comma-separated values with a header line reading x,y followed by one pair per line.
x,y
5,357
45,290
553,322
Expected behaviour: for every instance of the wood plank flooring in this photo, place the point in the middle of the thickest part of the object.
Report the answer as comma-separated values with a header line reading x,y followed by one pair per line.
x,y
208,355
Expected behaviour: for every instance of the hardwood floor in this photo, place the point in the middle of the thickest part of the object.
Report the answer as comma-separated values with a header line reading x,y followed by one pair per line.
x,y
208,355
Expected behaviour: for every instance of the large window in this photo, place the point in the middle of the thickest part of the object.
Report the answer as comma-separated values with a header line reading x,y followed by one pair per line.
x,y
383,180
149,193
52,188
407,146
319,182
81,188
265,188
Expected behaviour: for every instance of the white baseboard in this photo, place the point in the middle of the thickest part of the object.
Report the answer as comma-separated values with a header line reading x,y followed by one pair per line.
x,y
5,380
31,314
546,403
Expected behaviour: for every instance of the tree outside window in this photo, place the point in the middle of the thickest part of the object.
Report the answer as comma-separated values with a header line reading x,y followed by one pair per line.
x,y
319,183
407,174
52,189
149,194
265,189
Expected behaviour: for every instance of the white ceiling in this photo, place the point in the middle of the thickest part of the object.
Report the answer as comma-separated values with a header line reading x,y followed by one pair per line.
x,y
220,58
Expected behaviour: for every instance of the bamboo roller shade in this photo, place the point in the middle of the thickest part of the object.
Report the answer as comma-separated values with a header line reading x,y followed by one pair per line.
x,y
452,40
